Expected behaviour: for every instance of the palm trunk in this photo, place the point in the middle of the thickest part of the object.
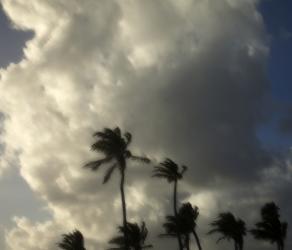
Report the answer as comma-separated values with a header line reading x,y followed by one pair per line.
x,y
197,239
187,241
175,213
123,199
235,246
240,247
280,246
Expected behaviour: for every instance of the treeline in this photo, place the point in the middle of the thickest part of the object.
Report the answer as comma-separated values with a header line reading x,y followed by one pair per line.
x,y
182,223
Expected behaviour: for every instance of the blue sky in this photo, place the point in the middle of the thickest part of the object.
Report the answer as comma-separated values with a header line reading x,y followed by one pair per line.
x,y
278,19
11,41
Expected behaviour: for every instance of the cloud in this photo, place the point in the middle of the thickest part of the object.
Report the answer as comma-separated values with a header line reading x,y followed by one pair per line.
x,y
187,78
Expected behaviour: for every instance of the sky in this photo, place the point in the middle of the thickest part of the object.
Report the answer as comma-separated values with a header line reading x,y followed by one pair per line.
x,y
205,83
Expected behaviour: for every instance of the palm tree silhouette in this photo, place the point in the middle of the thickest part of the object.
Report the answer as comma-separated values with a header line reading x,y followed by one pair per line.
x,y
189,215
170,171
271,228
114,146
136,236
230,228
72,241
184,224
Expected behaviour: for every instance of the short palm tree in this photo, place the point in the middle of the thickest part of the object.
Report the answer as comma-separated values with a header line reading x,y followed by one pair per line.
x,y
173,227
189,215
137,237
114,146
270,228
170,171
72,241
230,228
184,224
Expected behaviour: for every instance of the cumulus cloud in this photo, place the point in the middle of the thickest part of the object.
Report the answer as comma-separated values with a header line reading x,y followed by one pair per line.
x,y
187,78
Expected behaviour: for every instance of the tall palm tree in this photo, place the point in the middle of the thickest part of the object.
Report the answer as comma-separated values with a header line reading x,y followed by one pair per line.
x,y
230,228
72,241
137,237
184,224
270,228
170,171
114,146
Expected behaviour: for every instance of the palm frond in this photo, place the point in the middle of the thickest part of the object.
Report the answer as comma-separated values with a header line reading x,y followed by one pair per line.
x,y
229,227
163,171
284,228
136,236
107,133
142,159
94,165
184,169
119,240
167,235
270,228
109,173
106,147
72,241
169,170
219,239
162,176
147,246
117,248
128,137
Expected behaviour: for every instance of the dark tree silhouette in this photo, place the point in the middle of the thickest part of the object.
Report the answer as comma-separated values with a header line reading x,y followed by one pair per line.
x,y
114,146
72,241
189,215
170,171
136,237
270,228
230,228
184,224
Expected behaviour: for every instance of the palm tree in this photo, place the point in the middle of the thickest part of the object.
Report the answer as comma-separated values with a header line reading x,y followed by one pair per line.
x,y
170,171
114,146
271,228
174,227
72,241
137,237
184,224
189,215
230,228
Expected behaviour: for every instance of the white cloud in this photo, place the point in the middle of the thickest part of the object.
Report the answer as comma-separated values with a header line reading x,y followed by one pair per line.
x,y
186,77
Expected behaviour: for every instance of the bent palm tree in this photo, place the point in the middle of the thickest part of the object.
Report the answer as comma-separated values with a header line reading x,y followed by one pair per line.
x,y
271,228
174,227
184,224
170,171
114,146
136,236
72,241
230,228
189,216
